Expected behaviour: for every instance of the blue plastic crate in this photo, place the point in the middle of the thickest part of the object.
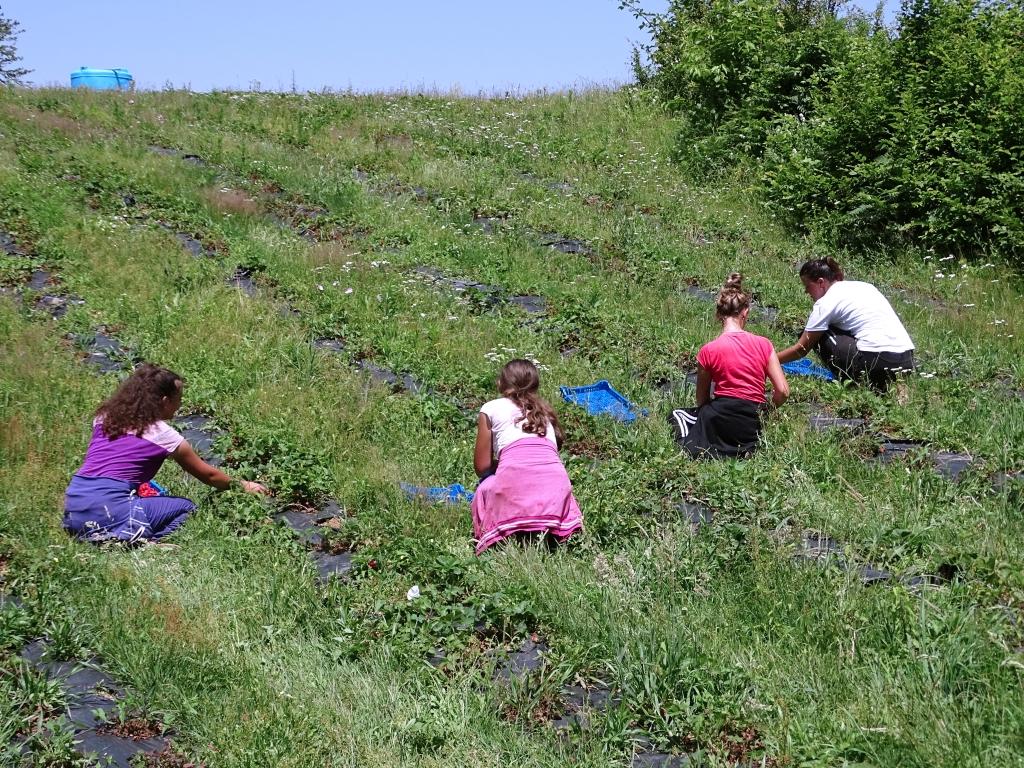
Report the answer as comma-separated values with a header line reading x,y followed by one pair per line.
x,y
805,367
601,399
447,494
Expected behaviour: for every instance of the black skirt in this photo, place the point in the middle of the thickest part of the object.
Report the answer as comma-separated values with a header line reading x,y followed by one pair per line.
x,y
725,427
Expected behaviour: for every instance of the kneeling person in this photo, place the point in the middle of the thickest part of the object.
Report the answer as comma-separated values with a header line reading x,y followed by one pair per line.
x,y
130,441
738,363
524,488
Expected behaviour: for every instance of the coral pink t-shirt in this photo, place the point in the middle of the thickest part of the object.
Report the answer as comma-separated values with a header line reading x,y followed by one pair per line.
x,y
738,363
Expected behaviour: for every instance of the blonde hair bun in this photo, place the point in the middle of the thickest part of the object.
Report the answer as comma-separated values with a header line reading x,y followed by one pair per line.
x,y
732,299
735,280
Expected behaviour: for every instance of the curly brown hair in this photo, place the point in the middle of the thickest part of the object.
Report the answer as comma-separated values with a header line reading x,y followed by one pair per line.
x,y
137,402
732,299
519,382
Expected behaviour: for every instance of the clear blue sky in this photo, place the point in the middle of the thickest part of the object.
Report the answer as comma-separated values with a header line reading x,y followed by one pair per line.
x,y
483,45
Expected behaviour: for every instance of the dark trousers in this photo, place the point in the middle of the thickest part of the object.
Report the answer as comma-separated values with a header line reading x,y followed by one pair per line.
x,y
839,353
726,426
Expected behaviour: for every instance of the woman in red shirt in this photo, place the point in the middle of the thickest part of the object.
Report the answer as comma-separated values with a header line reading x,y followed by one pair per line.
x,y
738,363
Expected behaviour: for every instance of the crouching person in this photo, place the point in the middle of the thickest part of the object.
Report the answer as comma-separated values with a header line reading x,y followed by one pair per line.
x,y
130,441
524,489
853,327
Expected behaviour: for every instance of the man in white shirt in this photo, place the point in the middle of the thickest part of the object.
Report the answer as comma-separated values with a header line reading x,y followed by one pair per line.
x,y
852,326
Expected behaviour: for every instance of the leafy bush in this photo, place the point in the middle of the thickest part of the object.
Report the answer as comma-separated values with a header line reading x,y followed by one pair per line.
x,y
294,474
730,69
16,627
862,135
454,607
919,137
681,691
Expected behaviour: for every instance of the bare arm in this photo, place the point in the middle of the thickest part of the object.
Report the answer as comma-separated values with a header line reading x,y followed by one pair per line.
x,y
703,385
483,457
780,387
807,341
190,461
559,434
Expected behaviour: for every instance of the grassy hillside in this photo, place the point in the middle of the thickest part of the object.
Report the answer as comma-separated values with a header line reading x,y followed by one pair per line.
x,y
285,253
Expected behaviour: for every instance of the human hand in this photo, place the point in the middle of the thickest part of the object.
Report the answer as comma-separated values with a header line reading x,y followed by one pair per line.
x,y
250,486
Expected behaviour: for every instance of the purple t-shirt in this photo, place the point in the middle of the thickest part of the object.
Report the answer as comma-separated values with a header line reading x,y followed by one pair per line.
x,y
133,459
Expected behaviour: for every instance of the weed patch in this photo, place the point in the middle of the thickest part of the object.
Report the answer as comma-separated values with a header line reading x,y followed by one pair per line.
x,y
199,430
233,201
721,646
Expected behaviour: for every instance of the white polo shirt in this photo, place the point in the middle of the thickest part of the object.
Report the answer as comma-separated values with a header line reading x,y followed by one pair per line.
x,y
860,309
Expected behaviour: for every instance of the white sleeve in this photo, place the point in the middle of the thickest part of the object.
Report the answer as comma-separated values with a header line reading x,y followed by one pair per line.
x,y
821,315
487,409
163,434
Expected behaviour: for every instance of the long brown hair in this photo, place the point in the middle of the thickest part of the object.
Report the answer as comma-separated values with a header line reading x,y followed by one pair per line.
x,y
519,382
827,268
732,299
137,402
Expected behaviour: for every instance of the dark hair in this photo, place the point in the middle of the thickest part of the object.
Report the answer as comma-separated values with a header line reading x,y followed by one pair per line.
x,y
136,403
519,382
827,268
732,299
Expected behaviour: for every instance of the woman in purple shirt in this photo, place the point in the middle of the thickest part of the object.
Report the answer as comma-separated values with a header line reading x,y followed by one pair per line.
x,y
130,440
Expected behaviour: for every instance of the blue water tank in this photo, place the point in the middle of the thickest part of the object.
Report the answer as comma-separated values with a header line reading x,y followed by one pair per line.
x,y
101,79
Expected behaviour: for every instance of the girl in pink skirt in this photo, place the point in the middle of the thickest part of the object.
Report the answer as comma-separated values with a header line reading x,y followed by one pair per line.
x,y
523,488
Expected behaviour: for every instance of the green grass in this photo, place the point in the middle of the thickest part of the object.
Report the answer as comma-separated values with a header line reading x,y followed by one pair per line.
x,y
228,639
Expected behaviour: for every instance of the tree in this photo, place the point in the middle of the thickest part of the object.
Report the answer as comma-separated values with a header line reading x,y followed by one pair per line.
x,y
732,68
9,31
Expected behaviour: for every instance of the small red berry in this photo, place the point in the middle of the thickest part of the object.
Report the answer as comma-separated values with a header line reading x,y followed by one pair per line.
x,y
372,565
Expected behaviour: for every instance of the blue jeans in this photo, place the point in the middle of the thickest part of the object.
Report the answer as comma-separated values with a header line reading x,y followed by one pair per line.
x,y
103,509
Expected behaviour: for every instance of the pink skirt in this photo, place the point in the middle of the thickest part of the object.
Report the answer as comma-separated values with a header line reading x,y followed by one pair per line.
x,y
529,492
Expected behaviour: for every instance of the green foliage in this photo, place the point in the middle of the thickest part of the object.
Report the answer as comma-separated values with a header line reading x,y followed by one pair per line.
x,y
10,74
860,135
13,269
294,473
453,607
50,746
64,639
731,69
34,694
680,691
919,138
16,628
